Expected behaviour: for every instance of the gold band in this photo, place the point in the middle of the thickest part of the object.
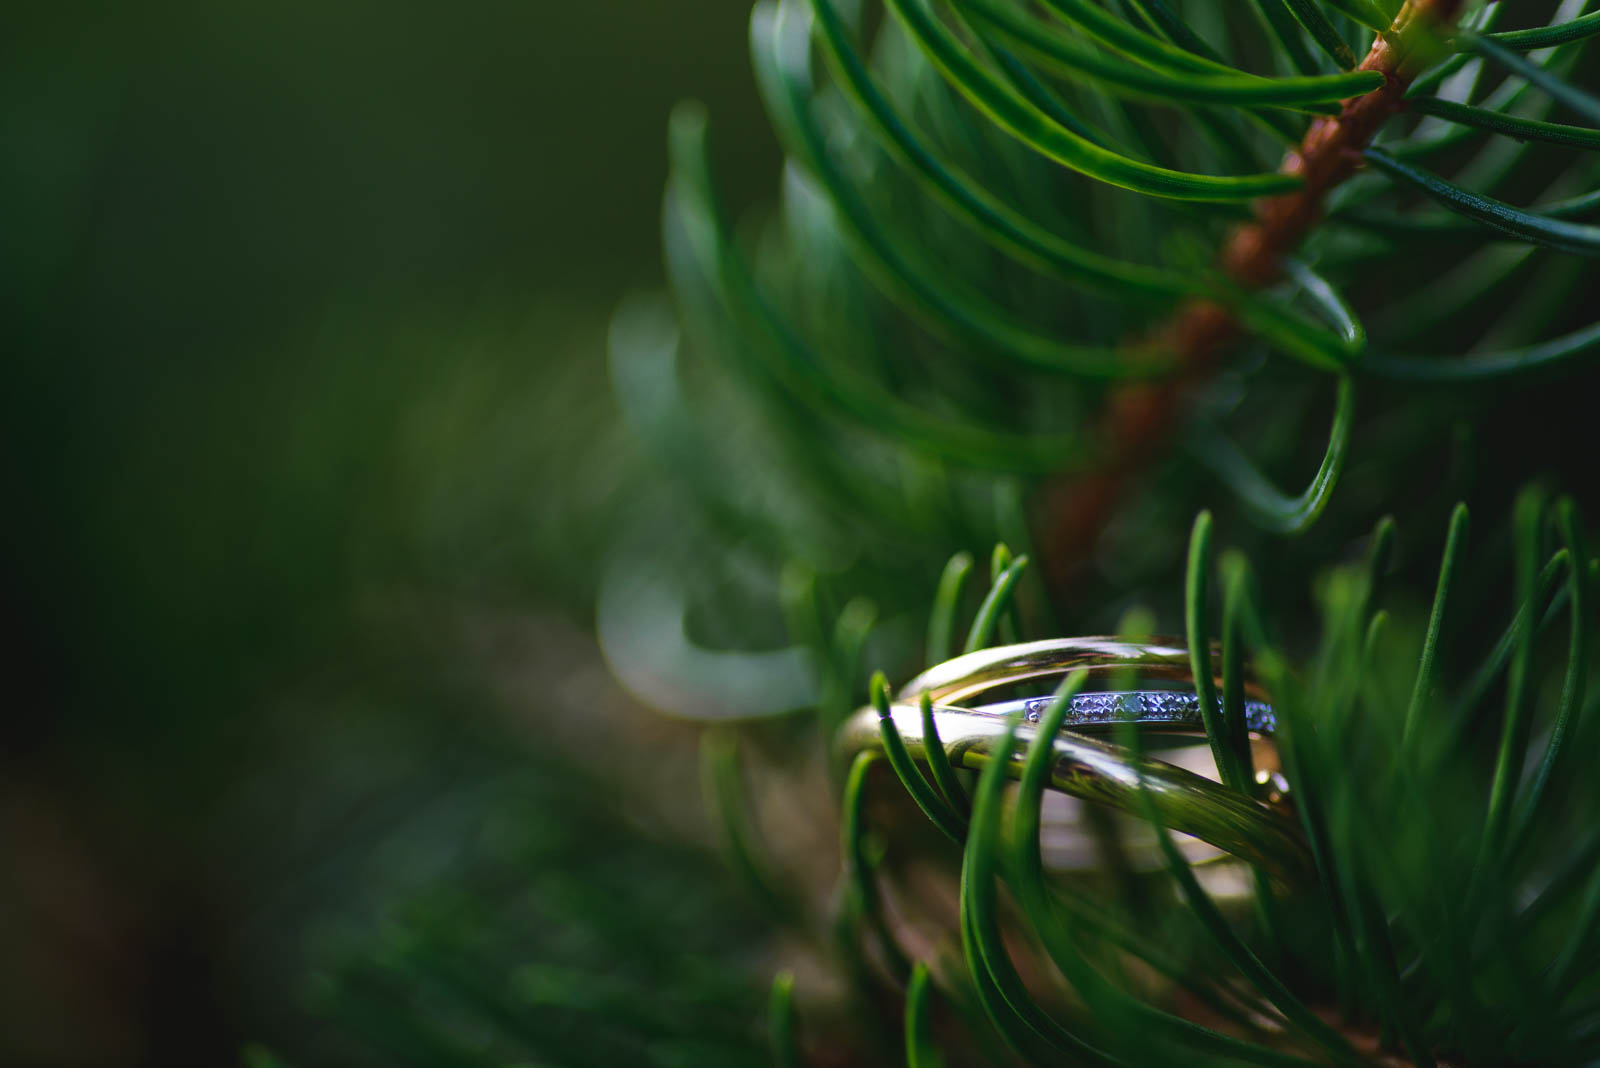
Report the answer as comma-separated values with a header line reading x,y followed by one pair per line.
x,y
964,679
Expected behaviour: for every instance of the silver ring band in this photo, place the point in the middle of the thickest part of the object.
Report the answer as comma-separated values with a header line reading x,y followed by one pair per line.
x,y
1171,709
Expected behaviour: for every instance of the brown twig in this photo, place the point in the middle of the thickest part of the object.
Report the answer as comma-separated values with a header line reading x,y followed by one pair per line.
x,y
1141,418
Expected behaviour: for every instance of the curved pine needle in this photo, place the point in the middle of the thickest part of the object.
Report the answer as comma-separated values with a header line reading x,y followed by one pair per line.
x,y
1377,636
1234,592
1291,334
1068,56
1033,90
780,1022
1377,952
833,389
1083,913
1554,133
1512,636
1222,933
920,1049
1236,566
1576,238
1033,128
1000,224
1493,163
1136,44
1454,547
1364,12
1527,524
1103,998
1572,683
1440,73
780,49
944,776
1501,99
642,356
1362,918
1564,93
1269,506
1025,240
1021,1038
946,602
1567,208
1572,207
1196,606
1479,22
1312,809
1547,36
947,819
1286,28
981,636
1487,365
1188,51
1010,625
1333,305
1322,31
858,868
988,958
1379,552
1036,770
1157,14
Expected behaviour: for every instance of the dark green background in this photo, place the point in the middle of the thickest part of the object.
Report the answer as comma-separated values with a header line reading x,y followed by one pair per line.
x,y
305,308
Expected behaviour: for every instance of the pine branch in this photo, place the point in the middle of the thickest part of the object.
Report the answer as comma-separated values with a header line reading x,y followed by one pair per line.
x,y
1141,419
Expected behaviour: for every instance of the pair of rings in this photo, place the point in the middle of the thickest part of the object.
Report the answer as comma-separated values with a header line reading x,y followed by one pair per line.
x,y
1146,684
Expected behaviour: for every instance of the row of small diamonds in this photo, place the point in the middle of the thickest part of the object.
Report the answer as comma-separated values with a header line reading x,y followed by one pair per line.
x,y
1146,706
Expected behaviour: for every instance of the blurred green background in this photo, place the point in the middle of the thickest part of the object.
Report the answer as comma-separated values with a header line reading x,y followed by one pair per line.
x,y
311,460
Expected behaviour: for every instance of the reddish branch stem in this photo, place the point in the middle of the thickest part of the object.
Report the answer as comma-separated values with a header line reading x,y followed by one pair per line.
x,y
1141,418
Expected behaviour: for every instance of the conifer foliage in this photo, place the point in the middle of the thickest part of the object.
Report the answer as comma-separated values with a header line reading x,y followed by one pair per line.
x,y
1061,275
